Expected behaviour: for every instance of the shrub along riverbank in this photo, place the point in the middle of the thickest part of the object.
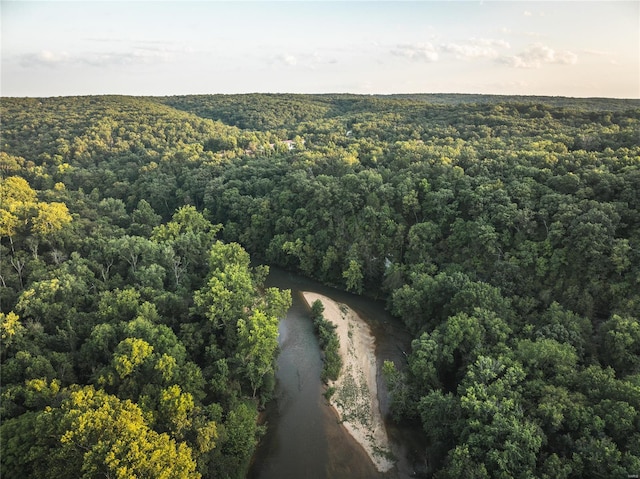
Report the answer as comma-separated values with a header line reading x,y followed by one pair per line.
x,y
329,342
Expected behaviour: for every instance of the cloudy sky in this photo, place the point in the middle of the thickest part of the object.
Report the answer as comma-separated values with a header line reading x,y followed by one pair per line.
x,y
574,48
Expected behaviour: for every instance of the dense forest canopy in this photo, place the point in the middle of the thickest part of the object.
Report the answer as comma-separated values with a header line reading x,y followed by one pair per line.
x,y
138,339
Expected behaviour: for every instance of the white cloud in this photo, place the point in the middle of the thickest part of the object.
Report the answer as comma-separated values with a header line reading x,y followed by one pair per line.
x,y
492,42
44,58
469,49
288,60
527,13
320,59
537,55
475,48
304,60
418,51
597,53
137,56
283,59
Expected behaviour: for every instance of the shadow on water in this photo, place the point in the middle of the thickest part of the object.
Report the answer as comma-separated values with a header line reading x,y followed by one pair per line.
x,y
304,438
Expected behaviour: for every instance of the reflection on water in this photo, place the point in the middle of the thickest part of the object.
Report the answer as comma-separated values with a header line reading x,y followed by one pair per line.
x,y
304,438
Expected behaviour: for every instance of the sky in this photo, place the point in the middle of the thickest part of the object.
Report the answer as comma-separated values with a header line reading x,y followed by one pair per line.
x,y
557,48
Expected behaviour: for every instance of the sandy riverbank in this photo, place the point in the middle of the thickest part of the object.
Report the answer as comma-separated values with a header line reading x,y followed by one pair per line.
x,y
356,390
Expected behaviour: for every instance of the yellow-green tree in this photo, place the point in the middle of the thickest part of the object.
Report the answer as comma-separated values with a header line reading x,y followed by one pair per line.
x,y
17,199
50,218
92,434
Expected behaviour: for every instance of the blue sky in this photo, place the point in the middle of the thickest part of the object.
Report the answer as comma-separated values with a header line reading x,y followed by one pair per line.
x,y
575,48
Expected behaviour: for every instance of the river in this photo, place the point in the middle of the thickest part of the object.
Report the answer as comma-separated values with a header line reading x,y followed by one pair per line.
x,y
304,438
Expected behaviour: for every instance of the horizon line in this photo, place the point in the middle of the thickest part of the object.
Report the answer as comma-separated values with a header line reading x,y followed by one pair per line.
x,y
529,95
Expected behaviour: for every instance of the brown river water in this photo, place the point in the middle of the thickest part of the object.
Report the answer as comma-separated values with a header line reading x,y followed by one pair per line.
x,y
304,438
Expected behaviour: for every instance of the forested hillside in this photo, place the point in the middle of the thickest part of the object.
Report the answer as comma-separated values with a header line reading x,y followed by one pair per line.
x,y
503,231
134,342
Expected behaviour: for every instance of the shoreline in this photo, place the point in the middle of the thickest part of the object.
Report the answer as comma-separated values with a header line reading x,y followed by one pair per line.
x,y
355,399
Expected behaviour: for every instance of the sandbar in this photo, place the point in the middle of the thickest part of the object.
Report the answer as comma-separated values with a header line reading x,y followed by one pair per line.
x,y
356,390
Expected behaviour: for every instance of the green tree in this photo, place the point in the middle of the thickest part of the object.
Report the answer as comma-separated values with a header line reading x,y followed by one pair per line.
x,y
621,344
353,276
498,435
228,293
238,437
143,220
257,346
